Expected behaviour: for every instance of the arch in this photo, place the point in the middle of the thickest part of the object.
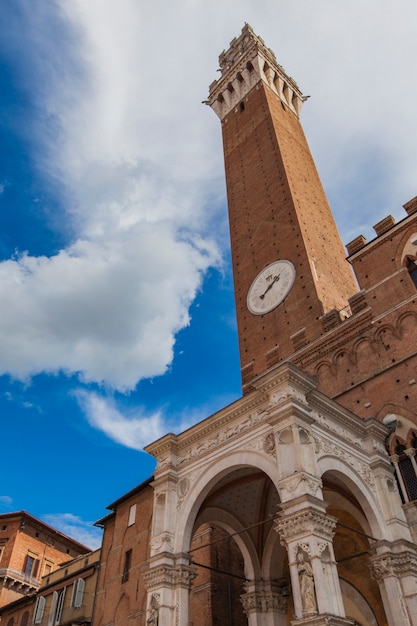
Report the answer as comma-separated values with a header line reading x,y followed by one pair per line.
x,y
342,358
231,525
386,329
355,483
406,249
406,323
218,468
356,606
272,566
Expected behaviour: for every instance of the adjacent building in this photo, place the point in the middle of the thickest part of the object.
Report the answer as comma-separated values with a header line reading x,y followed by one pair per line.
x,y
29,550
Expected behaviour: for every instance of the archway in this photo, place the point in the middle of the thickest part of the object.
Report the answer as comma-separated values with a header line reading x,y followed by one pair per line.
x,y
352,546
233,532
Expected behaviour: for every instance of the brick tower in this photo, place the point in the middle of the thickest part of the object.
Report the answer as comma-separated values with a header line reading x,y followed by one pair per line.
x,y
288,260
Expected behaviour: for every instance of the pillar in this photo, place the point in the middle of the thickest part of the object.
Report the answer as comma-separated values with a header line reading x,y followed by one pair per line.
x,y
394,567
307,532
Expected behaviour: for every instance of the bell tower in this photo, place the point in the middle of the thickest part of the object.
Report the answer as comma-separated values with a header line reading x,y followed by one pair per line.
x,y
289,263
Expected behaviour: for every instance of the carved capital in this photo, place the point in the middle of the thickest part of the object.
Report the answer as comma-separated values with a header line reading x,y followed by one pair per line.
x,y
263,602
169,576
397,565
304,523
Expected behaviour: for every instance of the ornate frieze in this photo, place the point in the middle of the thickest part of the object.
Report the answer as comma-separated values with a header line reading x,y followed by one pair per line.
x,y
222,436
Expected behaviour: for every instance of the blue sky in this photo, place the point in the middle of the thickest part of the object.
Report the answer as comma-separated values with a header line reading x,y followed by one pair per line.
x,y
117,321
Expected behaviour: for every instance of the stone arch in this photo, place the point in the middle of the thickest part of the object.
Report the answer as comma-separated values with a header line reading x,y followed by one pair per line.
x,y
272,567
219,468
406,249
231,525
355,483
356,606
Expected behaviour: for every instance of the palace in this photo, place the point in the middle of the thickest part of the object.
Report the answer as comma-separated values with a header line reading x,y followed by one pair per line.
x,y
296,504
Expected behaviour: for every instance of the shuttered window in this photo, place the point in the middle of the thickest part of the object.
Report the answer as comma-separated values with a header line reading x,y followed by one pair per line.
x,y
78,593
39,610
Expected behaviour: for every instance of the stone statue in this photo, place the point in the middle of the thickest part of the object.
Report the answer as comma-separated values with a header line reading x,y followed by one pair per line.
x,y
308,594
153,618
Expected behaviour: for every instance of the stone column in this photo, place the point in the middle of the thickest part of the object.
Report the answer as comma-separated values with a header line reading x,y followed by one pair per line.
x,y
307,534
168,586
394,567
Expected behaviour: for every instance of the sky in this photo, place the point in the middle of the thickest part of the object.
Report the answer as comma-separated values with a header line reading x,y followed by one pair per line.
x,y
117,322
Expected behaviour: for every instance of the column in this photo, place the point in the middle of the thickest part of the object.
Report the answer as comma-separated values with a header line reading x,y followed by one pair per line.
x,y
307,534
394,567
168,587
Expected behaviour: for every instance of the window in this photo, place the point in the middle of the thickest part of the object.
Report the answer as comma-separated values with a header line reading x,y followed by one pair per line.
x,y
132,515
126,568
25,619
2,544
39,610
412,270
56,607
78,593
30,566
10,622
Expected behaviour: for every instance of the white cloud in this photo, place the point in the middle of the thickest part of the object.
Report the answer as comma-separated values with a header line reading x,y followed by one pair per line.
x,y
5,502
73,526
141,159
134,431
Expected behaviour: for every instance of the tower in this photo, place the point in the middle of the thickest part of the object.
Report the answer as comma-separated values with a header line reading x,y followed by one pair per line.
x,y
289,264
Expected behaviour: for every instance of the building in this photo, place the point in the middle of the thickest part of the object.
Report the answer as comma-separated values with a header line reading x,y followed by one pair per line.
x,y
297,503
65,596
29,550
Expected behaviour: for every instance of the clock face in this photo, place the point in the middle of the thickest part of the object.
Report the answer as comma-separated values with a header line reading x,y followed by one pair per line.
x,y
270,287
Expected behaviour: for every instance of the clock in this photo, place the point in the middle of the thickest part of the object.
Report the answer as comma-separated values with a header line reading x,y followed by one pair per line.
x,y
270,287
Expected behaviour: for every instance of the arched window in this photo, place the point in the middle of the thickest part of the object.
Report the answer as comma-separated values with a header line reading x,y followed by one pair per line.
x,y
10,622
25,619
412,270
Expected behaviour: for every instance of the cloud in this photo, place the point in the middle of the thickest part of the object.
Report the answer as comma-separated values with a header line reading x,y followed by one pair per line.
x,y
5,502
133,431
73,526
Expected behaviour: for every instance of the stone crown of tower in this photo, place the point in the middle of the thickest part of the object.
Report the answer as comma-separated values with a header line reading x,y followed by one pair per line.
x,y
245,63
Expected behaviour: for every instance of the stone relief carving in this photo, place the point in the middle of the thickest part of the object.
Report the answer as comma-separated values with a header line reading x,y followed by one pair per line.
x,y
342,432
162,543
231,431
399,565
262,602
305,522
169,576
291,484
326,447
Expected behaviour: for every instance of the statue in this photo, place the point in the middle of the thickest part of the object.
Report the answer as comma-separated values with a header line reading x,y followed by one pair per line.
x,y
153,618
308,594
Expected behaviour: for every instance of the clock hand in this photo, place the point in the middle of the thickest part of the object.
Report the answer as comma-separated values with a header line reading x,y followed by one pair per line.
x,y
274,280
